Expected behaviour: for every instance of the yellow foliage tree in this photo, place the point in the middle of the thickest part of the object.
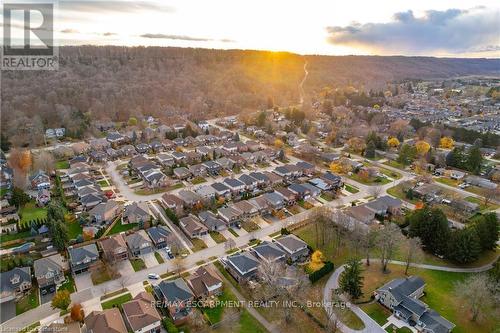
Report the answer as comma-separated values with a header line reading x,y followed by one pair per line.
x,y
178,149
446,142
422,147
317,261
393,142
278,143
356,144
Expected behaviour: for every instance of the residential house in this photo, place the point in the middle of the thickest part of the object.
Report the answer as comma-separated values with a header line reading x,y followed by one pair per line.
x,y
273,179
222,190
250,182
166,160
104,212
115,138
306,168
192,226
269,252
211,221
198,170
313,190
230,215
225,163
295,248
82,258
204,283
207,192
333,180
401,296
160,235
301,192
174,203
107,321
139,243
465,206
40,180
385,205
246,208
275,200
234,185
212,167
42,197
49,272
14,283
289,197
321,184
481,182
155,178
176,296
128,150
136,212
142,148
261,204
262,179
362,214
242,266
114,248
141,315
457,174
190,198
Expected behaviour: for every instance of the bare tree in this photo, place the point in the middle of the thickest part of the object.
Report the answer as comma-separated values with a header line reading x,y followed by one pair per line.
x,y
412,251
479,293
44,161
491,195
196,319
229,244
179,265
336,313
388,241
368,243
123,281
375,191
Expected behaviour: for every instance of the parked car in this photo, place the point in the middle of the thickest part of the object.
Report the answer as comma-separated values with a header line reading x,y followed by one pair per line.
x,y
153,276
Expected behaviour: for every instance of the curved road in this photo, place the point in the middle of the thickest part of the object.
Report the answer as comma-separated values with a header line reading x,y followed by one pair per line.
x,y
370,324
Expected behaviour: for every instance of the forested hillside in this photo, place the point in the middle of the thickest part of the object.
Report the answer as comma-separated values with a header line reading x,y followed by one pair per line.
x,y
113,83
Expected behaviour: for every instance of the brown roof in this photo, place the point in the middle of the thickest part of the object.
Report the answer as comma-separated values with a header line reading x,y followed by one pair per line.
x,y
108,321
110,245
201,280
172,200
286,192
140,312
273,178
73,327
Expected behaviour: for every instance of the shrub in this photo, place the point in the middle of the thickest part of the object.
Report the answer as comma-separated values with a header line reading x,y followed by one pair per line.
x,y
284,231
169,326
316,275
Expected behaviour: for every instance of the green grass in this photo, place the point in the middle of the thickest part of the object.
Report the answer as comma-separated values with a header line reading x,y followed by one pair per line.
x,y
137,264
27,302
249,226
369,181
395,164
103,183
351,320
113,294
391,328
377,312
159,258
119,227
351,189
217,237
327,196
3,191
4,238
200,262
397,191
74,229
480,202
215,314
390,173
62,164
198,180
447,181
31,212
100,276
233,232
69,284
116,302
248,324
198,244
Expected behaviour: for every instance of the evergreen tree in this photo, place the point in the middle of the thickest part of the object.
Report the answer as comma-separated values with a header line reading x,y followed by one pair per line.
x,y
463,246
474,160
370,150
486,227
351,280
431,226
407,154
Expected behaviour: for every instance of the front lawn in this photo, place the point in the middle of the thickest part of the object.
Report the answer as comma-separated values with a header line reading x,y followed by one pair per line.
x,y
74,229
159,258
11,237
198,244
390,173
30,212
327,196
480,202
397,191
137,264
62,164
116,302
249,226
27,302
369,180
447,181
217,237
234,233
395,164
69,284
392,329
198,180
103,183
351,189
100,275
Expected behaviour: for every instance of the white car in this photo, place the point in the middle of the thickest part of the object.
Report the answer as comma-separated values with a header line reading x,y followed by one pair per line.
x,y
153,276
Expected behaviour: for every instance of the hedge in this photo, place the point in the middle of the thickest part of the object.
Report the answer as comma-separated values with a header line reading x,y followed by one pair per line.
x,y
327,268
169,326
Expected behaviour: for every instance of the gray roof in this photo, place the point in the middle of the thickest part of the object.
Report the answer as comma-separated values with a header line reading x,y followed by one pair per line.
x,y
434,321
291,243
210,220
248,180
137,208
233,182
244,263
78,254
159,234
297,188
10,280
403,287
383,203
138,240
269,251
174,290
259,176
53,263
220,187
273,198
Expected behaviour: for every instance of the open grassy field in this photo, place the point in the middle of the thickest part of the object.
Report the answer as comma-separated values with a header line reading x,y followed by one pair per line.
x,y
480,202
198,244
62,165
30,212
395,164
116,302
27,302
119,227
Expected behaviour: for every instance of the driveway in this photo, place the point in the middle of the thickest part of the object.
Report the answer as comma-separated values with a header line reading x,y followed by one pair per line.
x,y
226,233
125,268
260,222
83,281
150,259
7,310
240,231
46,298
207,239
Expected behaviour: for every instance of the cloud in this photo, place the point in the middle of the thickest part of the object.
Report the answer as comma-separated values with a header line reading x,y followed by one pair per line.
x,y
185,38
450,31
118,6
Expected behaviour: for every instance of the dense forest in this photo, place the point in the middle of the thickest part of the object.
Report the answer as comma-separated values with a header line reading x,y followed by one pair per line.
x,y
114,83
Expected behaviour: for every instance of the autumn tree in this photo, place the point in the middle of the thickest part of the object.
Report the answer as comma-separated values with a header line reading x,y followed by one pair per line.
x,y
393,142
77,313
278,143
388,241
44,161
61,300
357,145
412,250
422,147
446,142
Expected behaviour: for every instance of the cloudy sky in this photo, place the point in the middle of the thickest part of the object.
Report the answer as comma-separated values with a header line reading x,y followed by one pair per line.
x,y
384,27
